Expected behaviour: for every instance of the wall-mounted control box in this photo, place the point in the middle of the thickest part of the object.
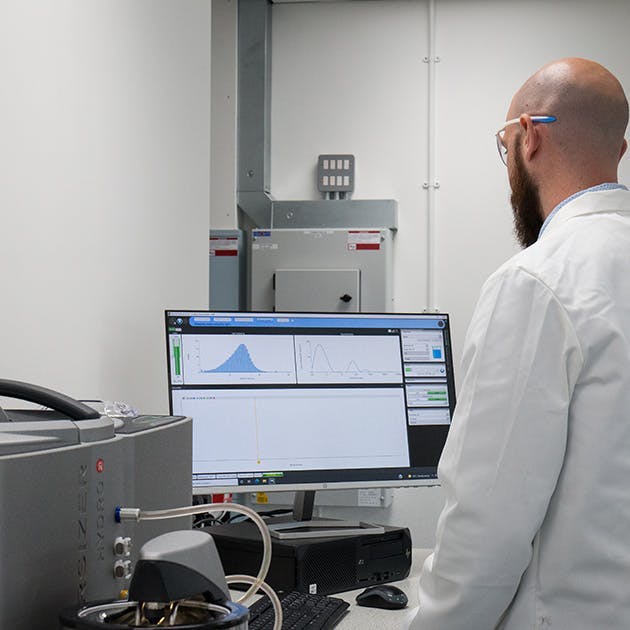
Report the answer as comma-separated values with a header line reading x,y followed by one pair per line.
x,y
332,270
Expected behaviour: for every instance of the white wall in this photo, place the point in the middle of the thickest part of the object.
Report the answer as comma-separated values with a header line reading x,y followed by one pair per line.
x,y
487,50
349,77
104,193
104,162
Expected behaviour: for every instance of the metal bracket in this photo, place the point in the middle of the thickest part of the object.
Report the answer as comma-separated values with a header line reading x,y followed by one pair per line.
x,y
364,213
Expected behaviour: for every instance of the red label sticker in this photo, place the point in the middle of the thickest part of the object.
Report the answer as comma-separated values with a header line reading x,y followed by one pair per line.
x,y
222,498
100,466
220,246
364,240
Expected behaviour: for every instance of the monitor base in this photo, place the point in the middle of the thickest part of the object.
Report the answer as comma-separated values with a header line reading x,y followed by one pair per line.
x,y
322,529
303,525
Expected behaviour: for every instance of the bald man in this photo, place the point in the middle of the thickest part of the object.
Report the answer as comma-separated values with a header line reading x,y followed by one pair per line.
x,y
535,532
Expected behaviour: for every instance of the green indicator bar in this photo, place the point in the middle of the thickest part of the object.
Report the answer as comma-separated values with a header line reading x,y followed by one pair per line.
x,y
437,392
273,474
177,358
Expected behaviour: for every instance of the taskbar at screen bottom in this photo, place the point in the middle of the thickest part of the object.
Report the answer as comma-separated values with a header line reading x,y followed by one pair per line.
x,y
244,481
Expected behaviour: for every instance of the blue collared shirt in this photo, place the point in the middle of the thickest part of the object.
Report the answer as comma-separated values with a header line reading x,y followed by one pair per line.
x,y
597,188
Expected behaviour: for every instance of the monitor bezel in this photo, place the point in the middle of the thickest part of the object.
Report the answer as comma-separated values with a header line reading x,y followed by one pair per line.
x,y
201,490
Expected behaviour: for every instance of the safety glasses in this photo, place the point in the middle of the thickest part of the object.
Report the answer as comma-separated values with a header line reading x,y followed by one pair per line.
x,y
499,135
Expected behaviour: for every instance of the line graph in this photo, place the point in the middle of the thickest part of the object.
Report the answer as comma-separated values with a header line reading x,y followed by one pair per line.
x,y
348,359
238,359
290,429
319,361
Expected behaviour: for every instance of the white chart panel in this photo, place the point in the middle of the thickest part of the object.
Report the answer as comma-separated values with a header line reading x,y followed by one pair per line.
x,y
296,429
348,359
238,359
427,395
420,416
423,345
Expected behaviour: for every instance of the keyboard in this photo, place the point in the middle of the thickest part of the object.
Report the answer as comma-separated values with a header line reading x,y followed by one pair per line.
x,y
299,611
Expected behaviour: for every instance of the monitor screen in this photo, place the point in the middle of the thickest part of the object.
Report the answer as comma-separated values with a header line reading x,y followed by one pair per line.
x,y
306,401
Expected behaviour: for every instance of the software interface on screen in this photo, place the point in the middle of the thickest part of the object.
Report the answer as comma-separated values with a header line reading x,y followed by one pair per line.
x,y
279,399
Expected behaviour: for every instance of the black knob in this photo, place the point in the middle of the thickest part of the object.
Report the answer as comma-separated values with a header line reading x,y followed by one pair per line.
x,y
345,298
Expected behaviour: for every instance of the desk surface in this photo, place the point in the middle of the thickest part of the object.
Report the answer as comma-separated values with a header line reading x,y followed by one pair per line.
x,y
362,618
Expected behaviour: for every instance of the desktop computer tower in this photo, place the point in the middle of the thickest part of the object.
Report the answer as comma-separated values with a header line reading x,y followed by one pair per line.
x,y
317,565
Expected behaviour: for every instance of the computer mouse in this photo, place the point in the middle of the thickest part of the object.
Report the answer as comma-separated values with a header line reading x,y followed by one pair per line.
x,y
382,596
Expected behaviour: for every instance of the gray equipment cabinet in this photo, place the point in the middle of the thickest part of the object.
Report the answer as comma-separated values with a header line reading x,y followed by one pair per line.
x,y
227,270
332,270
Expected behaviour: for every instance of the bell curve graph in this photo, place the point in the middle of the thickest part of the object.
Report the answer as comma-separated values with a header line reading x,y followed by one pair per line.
x,y
238,359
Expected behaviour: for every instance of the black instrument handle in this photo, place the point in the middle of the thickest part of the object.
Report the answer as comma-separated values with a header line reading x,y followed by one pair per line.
x,y
70,407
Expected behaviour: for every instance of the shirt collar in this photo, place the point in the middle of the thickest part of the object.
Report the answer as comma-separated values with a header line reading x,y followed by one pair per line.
x,y
552,214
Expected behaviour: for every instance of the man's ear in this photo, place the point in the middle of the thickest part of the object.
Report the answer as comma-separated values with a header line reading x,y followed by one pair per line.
x,y
531,136
624,146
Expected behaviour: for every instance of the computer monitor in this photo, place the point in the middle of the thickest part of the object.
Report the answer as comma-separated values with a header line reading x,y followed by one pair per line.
x,y
307,401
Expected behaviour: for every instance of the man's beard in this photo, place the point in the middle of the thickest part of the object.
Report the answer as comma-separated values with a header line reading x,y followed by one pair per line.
x,y
525,200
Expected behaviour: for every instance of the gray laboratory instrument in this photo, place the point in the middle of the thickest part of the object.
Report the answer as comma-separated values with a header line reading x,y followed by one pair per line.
x,y
64,470
178,582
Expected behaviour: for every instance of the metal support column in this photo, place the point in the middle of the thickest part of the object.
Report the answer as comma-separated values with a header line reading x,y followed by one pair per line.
x,y
254,112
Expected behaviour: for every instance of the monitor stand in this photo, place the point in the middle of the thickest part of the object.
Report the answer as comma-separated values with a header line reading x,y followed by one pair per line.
x,y
303,525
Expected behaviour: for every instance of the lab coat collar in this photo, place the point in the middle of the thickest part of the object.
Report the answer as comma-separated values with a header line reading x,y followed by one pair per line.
x,y
596,202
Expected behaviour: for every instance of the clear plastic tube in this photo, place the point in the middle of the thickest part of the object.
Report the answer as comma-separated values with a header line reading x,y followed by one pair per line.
x,y
275,601
154,515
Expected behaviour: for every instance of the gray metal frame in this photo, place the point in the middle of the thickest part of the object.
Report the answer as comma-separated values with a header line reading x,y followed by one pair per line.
x,y
365,213
254,111
257,208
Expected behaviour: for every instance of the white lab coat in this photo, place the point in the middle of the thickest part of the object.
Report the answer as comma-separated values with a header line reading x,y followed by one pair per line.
x,y
535,532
